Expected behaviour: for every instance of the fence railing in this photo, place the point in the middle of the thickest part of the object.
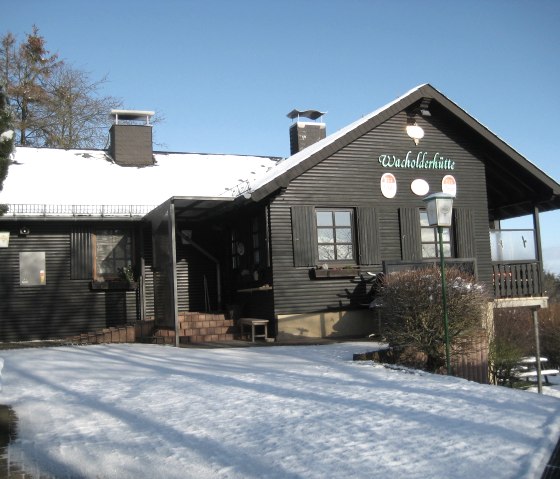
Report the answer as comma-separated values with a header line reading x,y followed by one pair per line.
x,y
30,210
516,279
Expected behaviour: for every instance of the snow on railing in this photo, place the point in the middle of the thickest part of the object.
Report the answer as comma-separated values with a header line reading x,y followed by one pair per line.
x,y
29,210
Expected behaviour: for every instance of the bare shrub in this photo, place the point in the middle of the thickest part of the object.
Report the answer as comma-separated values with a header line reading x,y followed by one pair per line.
x,y
412,312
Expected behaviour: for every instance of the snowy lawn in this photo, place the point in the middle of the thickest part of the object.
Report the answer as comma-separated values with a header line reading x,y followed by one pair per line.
x,y
144,411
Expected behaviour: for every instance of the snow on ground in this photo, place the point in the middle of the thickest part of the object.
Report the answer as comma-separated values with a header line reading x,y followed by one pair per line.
x,y
146,411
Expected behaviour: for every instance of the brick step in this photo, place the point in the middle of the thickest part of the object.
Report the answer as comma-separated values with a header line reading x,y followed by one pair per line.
x,y
195,331
208,338
201,316
213,323
120,334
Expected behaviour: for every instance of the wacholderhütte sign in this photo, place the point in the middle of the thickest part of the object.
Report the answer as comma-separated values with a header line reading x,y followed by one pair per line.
x,y
422,161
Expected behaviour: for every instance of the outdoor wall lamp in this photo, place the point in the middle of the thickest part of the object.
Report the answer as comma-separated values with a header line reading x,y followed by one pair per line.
x,y
414,131
439,207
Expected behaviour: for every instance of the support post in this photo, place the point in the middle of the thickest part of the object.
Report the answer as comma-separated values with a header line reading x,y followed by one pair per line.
x,y
444,300
537,228
537,348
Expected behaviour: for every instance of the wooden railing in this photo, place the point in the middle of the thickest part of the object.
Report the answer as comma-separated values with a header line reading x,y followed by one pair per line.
x,y
516,279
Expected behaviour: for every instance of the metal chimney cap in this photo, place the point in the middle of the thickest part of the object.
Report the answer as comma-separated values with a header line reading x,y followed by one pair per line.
x,y
131,115
311,114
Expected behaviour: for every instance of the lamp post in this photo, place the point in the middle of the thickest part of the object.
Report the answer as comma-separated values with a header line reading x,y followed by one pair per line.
x,y
439,207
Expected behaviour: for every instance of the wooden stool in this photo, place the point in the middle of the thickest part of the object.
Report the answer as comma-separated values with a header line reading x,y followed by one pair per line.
x,y
253,322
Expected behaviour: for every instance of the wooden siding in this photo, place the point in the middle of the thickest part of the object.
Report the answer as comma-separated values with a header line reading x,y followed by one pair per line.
x,y
63,306
81,259
350,178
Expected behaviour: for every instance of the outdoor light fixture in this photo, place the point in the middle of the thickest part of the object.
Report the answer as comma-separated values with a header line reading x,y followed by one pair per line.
x,y
414,131
439,207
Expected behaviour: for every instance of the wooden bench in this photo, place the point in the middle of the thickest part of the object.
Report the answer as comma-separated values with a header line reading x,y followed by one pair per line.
x,y
253,322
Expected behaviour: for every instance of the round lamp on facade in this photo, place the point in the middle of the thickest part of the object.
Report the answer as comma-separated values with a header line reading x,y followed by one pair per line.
x,y
415,132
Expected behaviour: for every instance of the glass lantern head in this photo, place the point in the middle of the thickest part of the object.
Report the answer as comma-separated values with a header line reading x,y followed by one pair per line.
x,y
439,207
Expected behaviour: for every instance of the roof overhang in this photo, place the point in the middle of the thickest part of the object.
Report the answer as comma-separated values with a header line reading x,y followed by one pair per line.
x,y
195,209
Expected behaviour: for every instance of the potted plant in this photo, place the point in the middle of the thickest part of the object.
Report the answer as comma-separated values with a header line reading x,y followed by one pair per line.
x,y
340,272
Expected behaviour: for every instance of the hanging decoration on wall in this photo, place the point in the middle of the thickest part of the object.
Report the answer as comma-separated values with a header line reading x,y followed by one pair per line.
x,y
449,185
388,185
420,187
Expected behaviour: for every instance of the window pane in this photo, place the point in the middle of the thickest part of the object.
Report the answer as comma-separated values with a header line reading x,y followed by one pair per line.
x,y
428,235
343,235
326,253
424,219
342,218
325,235
446,234
446,250
113,251
324,218
428,251
344,252
334,235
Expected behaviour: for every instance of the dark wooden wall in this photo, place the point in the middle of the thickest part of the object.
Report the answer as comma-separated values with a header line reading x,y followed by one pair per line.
x,y
63,306
350,178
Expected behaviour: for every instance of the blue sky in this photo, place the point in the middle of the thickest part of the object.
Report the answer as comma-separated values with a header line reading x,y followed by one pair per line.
x,y
224,74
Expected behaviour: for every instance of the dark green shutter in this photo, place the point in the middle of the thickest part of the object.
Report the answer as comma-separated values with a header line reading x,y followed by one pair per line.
x,y
81,255
368,236
304,236
464,233
411,243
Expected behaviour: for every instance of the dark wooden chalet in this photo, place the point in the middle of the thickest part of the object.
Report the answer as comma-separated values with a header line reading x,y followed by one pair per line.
x,y
299,243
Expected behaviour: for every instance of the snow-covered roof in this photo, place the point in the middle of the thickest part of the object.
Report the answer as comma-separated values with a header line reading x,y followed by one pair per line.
x,y
89,177
296,159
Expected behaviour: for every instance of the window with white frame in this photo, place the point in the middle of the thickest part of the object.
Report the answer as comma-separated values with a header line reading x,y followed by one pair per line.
x,y
335,237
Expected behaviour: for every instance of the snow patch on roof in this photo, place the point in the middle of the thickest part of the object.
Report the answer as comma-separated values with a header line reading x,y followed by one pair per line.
x,y
90,177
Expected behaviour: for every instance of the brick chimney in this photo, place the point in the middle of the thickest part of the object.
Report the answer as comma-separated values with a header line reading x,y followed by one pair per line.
x,y
131,138
305,133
